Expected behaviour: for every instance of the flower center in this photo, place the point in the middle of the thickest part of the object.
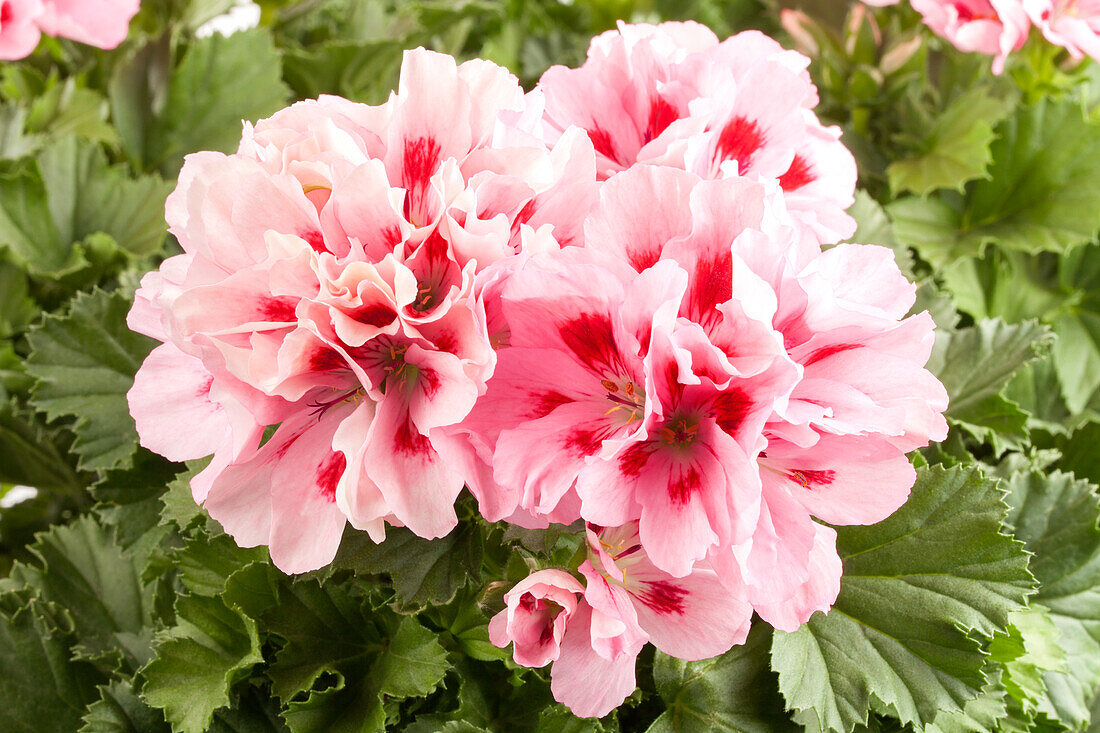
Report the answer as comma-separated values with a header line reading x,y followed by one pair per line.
x,y
627,401
680,432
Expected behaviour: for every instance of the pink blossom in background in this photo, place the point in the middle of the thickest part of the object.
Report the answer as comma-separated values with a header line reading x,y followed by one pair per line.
x,y
993,27
1072,24
19,30
100,23
673,95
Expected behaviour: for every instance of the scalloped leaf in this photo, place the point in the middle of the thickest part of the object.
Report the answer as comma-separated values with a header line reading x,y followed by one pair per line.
x,y
920,592
1058,518
84,364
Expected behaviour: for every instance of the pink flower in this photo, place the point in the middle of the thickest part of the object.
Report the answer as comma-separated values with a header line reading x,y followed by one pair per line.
x,y
1071,24
538,609
327,287
100,23
993,27
628,601
673,95
19,30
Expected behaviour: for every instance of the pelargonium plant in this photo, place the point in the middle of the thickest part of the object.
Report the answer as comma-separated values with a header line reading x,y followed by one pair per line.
x,y
594,316
549,368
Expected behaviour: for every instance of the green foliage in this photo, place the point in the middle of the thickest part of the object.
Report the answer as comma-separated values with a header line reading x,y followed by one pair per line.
x,y
733,692
218,82
83,364
920,592
422,571
1057,518
1041,194
956,150
198,660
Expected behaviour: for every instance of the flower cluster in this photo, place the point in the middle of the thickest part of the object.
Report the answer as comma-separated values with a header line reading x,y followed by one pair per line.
x,y
22,22
999,27
610,302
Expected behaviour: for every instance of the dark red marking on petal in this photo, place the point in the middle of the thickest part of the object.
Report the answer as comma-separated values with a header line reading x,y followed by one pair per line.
x,y
204,388
601,141
685,485
547,402
711,285
419,161
278,310
663,597
377,315
633,459
730,408
642,260
798,175
445,341
826,352
327,360
584,440
409,442
808,479
591,338
739,140
661,115
6,13
329,473
429,378
316,240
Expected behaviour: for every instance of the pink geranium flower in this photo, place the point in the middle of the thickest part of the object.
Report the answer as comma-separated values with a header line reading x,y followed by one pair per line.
x,y
100,23
19,29
1071,24
627,602
673,95
993,27
327,286
538,610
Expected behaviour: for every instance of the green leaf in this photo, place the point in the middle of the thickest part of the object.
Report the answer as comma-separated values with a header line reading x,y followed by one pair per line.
x,y
198,662
1057,516
1077,356
28,456
957,147
178,503
65,108
27,229
364,71
423,571
1028,650
120,710
920,592
976,363
80,568
87,196
41,689
17,309
1042,192
84,364
733,692
205,563
341,658
220,81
